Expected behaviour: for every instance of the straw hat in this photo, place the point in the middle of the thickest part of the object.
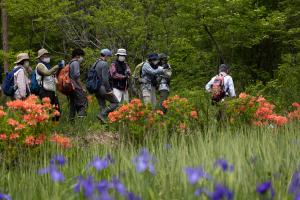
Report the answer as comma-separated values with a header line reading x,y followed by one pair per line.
x,y
42,52
21,57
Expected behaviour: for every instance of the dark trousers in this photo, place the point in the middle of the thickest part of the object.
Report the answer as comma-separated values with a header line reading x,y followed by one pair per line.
x,y
164,94
102,97
78,103
53,100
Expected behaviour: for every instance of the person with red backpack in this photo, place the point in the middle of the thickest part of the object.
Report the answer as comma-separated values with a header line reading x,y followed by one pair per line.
x,y
221,85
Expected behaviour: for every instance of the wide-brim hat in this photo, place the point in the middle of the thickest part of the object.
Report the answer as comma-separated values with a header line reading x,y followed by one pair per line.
x,y
42,52
21,57
121,52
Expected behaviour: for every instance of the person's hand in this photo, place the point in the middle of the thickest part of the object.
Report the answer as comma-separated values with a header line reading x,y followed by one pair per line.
x,y
160,68
110,93
61,64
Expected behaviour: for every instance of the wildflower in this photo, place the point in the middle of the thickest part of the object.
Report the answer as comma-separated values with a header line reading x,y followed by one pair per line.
x,y
132,196
294,187
223,164
194,114
58,159
46,100
198,192
56,113
265,188
195,174
242,108
40,139
63,141
2,113
295,104
5,197
12,122
119,187
13,136
243,95
29,140
260,99
182,126
221,192
87,185
56,175
3,136
100,164
144,161
160,112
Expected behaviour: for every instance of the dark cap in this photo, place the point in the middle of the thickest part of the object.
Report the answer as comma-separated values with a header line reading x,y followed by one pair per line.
x,y
223,68
153,56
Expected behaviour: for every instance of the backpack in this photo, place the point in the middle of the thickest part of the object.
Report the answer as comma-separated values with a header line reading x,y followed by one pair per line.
x,y
217,89
93,83
9,84
35,86
64,82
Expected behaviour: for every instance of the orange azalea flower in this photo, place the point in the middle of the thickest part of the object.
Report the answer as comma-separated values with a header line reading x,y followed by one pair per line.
x,y
40,139
12,122
262,111
242,108
243,95
297,105
260,99
165,104
14,136
3,136
182,126
90,98
63,141
46,100
137,102
194,114
251,102
123,108
20,127
29,140
280,120
56,113
2,113
15,104
160,112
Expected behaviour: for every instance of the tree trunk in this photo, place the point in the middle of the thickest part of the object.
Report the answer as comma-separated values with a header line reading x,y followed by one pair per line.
x,y
4,34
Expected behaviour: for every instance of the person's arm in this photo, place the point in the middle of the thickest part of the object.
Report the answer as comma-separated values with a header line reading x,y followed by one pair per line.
x,y
75,68
114,74
21,83
43,71
149,70
128,71
105,77
231,88
209,84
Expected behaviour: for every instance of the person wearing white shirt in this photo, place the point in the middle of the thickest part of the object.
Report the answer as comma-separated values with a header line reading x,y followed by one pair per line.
x,y
228,81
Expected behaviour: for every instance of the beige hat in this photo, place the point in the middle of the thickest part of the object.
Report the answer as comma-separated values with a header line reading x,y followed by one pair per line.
x,y
42,52
121,52
21,57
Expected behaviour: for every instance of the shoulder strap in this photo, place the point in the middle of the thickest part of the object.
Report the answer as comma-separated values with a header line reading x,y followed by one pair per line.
x,y
17,69
96,63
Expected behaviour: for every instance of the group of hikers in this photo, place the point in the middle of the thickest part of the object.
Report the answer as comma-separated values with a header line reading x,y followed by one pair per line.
x,y
109,82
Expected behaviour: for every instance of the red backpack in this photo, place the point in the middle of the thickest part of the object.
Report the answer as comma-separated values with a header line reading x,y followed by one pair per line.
x,y
65,84
218,89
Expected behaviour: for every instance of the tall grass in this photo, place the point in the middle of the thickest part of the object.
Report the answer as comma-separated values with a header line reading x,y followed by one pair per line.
x,y
258,155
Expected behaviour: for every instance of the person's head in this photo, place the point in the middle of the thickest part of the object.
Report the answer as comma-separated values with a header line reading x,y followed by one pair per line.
x,y
224,68
163,58
105,54
153,58
23,59
121,54
78,54
44,56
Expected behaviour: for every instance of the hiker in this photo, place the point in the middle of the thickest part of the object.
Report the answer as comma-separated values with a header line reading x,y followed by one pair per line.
x,y
150,71
77,98
21,81
221,85
120,74
164,80
105,92
1,72
46,79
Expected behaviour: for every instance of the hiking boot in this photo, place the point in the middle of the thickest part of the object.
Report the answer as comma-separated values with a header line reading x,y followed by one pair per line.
x,y
102,118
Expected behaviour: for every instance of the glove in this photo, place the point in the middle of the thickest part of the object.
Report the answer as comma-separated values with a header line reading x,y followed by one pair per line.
x,y
61,64
160,68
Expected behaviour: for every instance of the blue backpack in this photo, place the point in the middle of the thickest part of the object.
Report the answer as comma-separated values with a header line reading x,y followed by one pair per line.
x,y
93,83
35,86
9,84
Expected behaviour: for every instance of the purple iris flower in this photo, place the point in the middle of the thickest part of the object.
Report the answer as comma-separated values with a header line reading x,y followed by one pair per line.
x,y
5,196
55,174
223,164
132,196
194,174
264,188
119,187
144,161
297,197
221,192
58,160
294,187
87,185
198,192
100,164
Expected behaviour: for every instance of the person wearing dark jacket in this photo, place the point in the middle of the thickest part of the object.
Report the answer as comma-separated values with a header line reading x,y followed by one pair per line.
x,y
105,92
120,74
78,98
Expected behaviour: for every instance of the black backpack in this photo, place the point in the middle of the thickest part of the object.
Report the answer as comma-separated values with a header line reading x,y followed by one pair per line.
x,y
93,82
